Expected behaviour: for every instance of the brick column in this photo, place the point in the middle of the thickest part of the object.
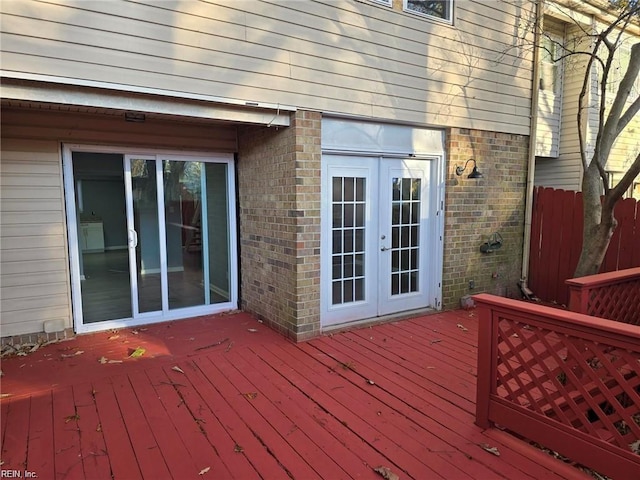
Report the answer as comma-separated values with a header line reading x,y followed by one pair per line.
x,y
279,205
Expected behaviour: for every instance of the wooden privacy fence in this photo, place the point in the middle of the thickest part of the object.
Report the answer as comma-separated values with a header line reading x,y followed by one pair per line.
x,y
566,380
556,241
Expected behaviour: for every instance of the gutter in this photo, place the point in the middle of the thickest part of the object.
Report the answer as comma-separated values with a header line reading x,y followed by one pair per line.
x,y
528,213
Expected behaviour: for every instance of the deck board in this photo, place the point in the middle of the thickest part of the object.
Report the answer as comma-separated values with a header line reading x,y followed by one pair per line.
x,y
66,435
321,449
92,446
146,449
40,457
295,461
202,453
204,378
224,397
14,447
121,457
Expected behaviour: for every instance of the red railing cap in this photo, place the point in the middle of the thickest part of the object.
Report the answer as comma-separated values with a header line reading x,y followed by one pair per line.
x,y
546,313
604,278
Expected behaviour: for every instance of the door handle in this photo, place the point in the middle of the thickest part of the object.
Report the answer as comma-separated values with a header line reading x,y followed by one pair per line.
x,y
384,249
133,238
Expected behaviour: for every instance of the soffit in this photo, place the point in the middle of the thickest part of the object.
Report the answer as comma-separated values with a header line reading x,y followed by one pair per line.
x,y
26,94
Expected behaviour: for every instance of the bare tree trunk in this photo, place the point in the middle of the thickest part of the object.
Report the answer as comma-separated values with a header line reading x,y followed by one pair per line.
x,y
599,223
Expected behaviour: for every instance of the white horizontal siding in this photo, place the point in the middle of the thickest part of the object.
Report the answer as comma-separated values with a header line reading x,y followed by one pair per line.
x,y
34,285
356,58
565,174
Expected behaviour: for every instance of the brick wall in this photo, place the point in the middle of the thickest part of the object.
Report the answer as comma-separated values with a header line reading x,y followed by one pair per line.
x,y
476,208
279,203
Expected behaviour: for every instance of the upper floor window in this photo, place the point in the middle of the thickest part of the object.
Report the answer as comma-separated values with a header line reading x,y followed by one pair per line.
x,y
550,63
431,8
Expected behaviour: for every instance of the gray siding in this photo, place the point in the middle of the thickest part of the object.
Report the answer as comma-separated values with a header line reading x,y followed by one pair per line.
x,y
359,58
34,273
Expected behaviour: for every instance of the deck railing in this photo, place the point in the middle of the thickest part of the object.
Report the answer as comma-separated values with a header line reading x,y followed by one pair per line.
x,y
565,380
613,295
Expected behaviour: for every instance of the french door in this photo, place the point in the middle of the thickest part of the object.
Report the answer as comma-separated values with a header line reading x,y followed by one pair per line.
x,y
381,237
165,239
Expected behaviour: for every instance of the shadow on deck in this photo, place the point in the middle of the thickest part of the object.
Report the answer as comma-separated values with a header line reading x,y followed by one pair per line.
x,y
225,397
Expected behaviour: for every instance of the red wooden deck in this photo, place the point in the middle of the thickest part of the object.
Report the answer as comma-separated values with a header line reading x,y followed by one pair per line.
x,y
225,397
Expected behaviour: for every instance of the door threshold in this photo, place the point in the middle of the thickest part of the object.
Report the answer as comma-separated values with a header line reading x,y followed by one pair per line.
x,y
392,317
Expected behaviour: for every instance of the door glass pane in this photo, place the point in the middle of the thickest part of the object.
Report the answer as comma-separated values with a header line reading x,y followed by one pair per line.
x,y
405,244
183,220
217,232
145,218
348,239
102,236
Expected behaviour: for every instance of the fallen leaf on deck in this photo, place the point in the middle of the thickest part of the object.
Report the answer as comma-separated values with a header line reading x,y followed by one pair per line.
x,y
115,361
79,352
386,473
371,382
437,340
238,448
113,337
204,470
177,369
462,327
68,418
250,395
138,352
5,395
103,360
490,449
252,330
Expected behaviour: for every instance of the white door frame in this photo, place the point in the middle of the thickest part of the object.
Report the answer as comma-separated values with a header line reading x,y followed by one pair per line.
x,y
74,247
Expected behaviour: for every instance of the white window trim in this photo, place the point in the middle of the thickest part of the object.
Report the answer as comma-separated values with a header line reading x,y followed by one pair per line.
x,y
448,21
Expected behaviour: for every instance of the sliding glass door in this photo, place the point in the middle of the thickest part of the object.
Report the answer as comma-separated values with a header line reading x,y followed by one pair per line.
x,y
167,240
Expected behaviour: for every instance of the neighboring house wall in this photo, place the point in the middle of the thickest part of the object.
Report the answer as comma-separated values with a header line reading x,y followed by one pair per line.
x,y
550,89
565,171
360,58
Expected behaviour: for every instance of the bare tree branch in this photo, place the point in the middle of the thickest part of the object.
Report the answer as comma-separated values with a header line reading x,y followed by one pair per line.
x,y
625,182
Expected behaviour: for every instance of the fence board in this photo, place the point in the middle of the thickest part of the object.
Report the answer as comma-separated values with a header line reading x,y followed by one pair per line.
x,y
626,212
534,247
566,265
556,241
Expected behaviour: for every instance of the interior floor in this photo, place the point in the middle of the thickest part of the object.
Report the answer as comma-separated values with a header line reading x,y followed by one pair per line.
x,y
106,288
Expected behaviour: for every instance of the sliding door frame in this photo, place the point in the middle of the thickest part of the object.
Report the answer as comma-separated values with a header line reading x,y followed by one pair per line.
x,y
74,246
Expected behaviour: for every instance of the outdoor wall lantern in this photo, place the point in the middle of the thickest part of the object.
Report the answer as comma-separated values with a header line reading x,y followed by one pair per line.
x,y
493,243
474,173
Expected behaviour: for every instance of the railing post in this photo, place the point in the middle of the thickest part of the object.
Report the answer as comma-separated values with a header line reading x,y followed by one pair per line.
x,y
576,298
486,360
